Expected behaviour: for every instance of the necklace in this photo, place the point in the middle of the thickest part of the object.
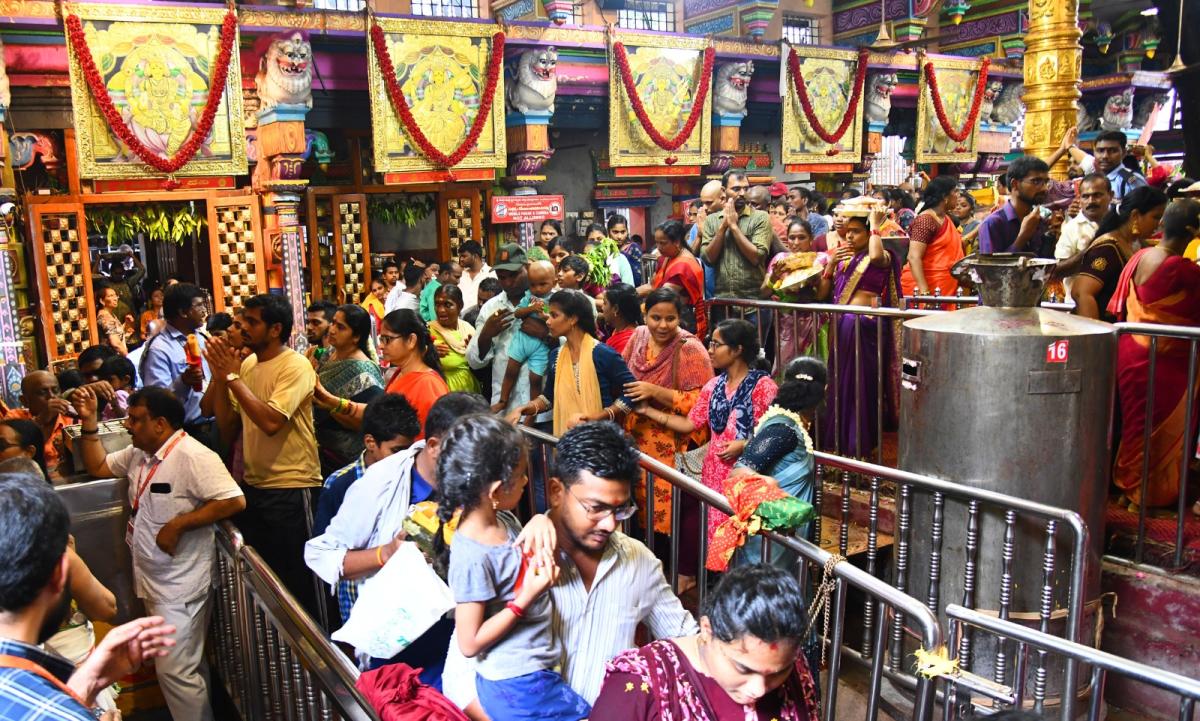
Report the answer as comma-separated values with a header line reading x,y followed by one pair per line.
x,y
801,424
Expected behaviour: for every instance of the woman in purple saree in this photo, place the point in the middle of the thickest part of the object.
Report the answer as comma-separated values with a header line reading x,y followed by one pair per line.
x,y
863,273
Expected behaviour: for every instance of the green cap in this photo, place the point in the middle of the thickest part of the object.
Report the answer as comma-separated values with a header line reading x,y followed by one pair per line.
x,y
510,257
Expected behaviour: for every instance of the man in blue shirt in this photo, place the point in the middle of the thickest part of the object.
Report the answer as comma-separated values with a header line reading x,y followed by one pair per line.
x,y
1013,225
164,358
1109,151
35,685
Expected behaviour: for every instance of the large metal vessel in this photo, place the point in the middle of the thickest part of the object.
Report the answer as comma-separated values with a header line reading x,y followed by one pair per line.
x,y
1012,398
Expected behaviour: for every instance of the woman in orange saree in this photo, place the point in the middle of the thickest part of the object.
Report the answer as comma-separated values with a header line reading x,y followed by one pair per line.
x,y
1158,285
935,244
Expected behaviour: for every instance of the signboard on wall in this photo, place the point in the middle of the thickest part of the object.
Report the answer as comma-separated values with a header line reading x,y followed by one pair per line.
x,y
526,208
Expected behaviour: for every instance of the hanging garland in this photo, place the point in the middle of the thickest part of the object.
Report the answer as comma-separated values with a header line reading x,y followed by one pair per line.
x,y
961,135
860,79
672,144
384,59
199,133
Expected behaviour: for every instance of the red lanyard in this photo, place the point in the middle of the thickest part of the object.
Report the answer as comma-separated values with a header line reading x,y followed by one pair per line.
x,y
154,469
24,664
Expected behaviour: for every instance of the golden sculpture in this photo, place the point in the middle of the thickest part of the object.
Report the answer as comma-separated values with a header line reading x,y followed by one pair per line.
x,y
829,77
155,63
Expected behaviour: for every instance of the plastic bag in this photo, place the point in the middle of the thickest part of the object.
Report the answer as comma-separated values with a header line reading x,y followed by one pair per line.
x,y
388,616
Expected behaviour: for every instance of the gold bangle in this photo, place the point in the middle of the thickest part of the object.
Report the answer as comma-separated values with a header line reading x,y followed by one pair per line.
x,y
379,555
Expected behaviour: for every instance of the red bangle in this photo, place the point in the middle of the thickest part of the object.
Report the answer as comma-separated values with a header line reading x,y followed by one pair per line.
x,y
516,610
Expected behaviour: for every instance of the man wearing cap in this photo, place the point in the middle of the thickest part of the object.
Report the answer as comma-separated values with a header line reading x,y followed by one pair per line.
x,y
495,327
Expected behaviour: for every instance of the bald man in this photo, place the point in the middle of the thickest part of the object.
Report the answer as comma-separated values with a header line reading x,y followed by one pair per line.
x,y
44,406
712,198
759,197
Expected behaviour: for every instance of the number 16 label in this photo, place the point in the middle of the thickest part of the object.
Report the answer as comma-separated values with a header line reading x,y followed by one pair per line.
x,y
1058,351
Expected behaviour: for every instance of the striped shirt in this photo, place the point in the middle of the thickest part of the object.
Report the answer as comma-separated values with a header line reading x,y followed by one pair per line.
x,y
26,696
629,589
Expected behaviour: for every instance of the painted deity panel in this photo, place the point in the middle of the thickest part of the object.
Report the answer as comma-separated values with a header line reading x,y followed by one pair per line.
x,y
442,70
156,65
829,79
956,81
666,72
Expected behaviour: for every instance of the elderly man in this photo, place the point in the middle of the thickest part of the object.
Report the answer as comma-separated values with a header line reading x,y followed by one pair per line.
x,y
1095,198
609,584
44,406
712,199
178,490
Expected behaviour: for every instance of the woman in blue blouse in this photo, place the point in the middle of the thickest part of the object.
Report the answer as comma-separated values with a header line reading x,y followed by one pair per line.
x,y
782,449
587,381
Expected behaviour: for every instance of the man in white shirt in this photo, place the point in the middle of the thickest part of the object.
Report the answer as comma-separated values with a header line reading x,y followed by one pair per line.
x,y
177,489
367,529
495,327
474,271
608,583
1095,197
407,294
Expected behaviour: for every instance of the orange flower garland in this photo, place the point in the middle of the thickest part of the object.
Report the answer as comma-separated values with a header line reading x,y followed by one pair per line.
x,y
200,132
860,78
963,133
384,58
702,83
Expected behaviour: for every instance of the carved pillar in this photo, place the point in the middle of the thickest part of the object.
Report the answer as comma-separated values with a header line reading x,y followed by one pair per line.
x,y
281,146
726,140
1052,71
12,365
528,152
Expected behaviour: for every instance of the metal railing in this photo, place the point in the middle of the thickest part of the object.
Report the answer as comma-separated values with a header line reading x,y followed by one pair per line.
x,y
272,659
769,323
1156,335
962,690
919,620
1027,529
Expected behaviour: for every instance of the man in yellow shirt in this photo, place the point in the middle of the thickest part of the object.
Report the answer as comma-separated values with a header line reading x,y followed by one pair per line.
x,y
268,399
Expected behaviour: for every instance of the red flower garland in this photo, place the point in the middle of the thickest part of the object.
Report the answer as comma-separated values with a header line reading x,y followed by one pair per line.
x,y
860,79
639,109
199,133
384,59
961,135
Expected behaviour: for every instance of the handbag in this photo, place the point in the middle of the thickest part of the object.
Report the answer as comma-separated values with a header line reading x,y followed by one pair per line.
x,y
691,463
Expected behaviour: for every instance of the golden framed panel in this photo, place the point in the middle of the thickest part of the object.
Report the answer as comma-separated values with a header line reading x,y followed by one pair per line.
x,y
829,77
156,63
456,53
956,79
665,69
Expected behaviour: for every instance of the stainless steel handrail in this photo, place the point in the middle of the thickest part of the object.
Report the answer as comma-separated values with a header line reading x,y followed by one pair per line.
x,y
290,668
925,621
1102,663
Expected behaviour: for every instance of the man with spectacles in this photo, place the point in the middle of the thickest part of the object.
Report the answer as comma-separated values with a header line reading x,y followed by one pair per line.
x,y
1017,222
608,583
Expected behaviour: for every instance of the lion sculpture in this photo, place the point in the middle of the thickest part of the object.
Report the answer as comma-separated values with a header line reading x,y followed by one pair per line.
x,y
877,107
731,89
536,83
990,93
285,73
1006,109
1118,111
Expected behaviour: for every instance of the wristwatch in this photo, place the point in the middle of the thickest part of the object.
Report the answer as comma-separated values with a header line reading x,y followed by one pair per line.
x,y
231,377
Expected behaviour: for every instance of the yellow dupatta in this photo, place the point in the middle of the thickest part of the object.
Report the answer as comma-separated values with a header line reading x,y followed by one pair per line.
x,y
576,387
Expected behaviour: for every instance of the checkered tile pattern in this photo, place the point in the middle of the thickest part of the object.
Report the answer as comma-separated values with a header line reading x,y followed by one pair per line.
x,y
65,258
355,271
325,249
237,250
461,212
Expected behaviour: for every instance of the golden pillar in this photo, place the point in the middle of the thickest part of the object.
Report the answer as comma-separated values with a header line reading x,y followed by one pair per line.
x,y
1052,67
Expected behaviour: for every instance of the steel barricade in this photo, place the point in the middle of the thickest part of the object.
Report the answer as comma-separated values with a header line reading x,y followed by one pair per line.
x,y
274,661
961,688
1038,524
1157,336
921,622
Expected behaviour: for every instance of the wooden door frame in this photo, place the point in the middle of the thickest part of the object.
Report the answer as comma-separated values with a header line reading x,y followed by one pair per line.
x,y
44,311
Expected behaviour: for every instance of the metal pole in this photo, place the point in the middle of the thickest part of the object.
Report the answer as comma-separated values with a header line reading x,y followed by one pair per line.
x,y
1189,397
1141,534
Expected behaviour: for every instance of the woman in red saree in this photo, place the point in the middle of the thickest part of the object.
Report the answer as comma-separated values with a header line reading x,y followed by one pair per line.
x,y
1158,285
679,270
746,663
